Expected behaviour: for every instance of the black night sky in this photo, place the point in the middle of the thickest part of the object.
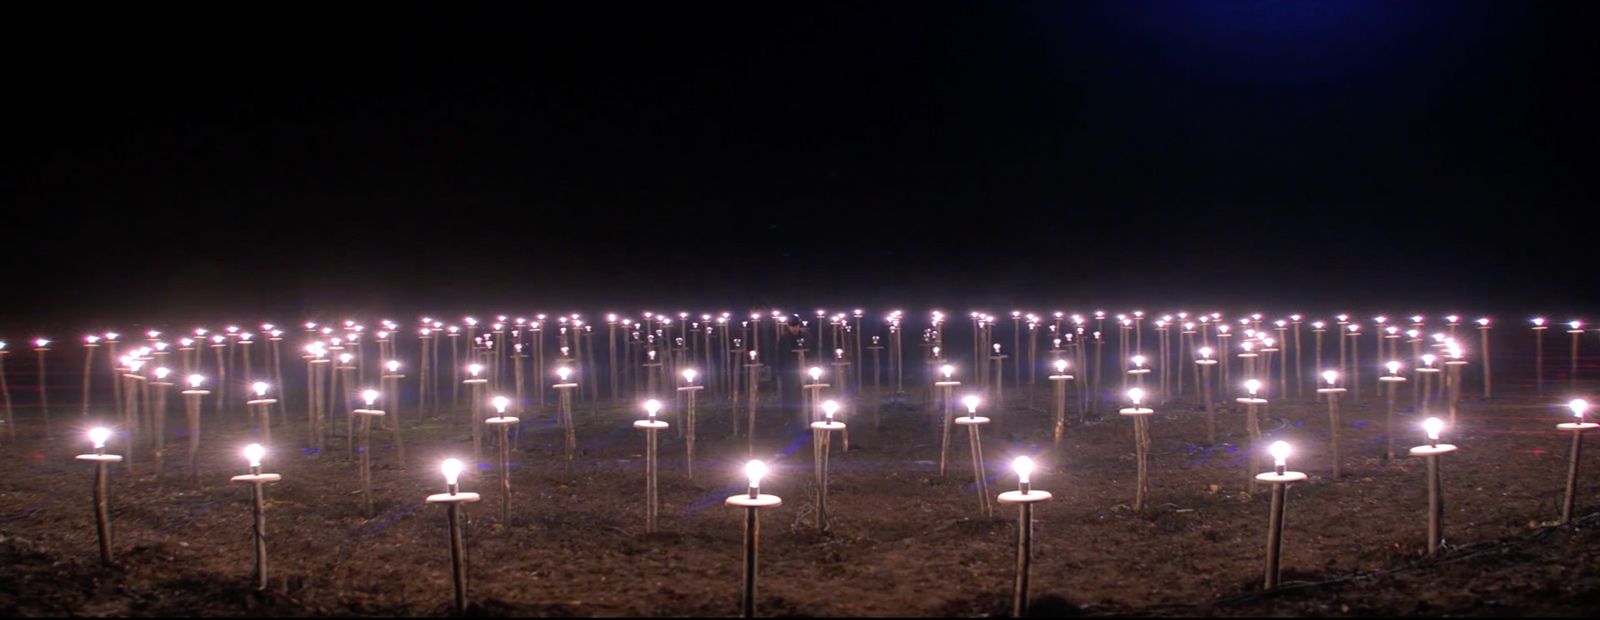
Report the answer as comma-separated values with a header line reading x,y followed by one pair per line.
x,y
279,158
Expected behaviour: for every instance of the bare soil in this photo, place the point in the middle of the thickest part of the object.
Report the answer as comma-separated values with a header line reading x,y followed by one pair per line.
x,y
905,541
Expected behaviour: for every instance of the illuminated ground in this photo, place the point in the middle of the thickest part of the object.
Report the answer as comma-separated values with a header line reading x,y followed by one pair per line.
x,y
904,542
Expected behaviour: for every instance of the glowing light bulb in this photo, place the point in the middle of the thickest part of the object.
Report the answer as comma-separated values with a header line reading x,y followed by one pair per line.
x,y
260,387
1252,386
1024,468
500,403
755,471
1205,352
98,436
1538,322
688,375
816,373
1433,426
1280,453
1061,366
475,369
971,401
1394,367
1330,376
393,366
1427,358
371,396
1484,322
1578,406
162,372
829,408
195,381
651,407
345,358
947,370
253,454
451,468
563,372
1136,395
1138,361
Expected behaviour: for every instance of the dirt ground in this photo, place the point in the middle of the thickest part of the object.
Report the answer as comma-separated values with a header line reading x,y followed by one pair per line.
x,y
904,542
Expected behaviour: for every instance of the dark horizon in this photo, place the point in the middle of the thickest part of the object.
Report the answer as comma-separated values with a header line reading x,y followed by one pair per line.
x,y
183,161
